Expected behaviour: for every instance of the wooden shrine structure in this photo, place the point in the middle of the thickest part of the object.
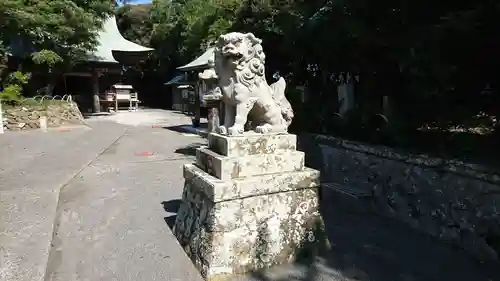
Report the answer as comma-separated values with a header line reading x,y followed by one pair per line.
x,y
87,80
198,74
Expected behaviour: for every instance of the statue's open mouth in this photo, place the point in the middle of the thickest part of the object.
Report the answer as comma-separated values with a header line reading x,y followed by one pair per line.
x,y
233,57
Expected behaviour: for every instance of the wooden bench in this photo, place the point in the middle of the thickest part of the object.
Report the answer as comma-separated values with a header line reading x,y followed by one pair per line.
x,y
130,98
126,94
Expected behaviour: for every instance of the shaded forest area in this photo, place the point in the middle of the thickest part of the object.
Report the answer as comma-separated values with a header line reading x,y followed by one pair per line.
x,y
436,61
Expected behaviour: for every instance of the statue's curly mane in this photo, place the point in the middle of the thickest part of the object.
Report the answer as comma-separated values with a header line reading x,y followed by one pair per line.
x,y
251,72
251,69
240,67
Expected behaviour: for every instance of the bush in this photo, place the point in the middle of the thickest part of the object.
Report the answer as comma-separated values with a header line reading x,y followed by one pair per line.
x,y
17,78
13,86
11,94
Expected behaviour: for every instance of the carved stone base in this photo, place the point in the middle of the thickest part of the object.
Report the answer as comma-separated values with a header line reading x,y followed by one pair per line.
x,y
255,228
251,220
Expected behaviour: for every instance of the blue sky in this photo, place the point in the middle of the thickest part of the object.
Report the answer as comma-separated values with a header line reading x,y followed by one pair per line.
x,y
132,2
140,1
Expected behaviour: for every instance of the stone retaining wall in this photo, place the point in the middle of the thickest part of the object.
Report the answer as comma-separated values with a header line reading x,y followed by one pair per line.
x,y
455,201
21,118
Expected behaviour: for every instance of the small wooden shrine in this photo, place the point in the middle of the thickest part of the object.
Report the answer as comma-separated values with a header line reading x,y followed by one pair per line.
x,y
88,80
201,75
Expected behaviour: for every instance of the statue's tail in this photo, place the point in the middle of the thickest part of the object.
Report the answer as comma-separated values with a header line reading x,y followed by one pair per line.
x,y
278,89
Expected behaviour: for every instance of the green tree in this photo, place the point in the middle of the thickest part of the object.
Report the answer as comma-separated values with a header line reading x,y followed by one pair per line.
x,y
432,59
134,23
184,28
54,33
68,28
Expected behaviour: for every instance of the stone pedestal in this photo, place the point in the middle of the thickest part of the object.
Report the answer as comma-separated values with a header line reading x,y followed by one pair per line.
x,y
249,203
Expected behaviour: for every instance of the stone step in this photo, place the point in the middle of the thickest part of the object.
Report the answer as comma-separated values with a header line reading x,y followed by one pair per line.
x,y
225,168
251,143
218,190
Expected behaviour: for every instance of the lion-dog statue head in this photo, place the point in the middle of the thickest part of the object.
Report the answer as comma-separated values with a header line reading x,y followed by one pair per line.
x,y
240,54
240,68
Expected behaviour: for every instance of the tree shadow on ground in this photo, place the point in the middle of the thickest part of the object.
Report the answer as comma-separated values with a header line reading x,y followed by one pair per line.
x,y
366,247
171,206
94,115
189,150
189,128
179,112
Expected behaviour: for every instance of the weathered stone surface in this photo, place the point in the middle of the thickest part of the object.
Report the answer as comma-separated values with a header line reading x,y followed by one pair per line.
x,y
253,209
218,190
22,118
251,143
454,201
226,168
244,78
240,235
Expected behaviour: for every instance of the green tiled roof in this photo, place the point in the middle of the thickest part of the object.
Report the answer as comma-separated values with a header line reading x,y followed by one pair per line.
x,y
200,62
110,39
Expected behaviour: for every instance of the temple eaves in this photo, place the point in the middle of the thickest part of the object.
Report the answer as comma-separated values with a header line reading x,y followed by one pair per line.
x,y
111,42
200,62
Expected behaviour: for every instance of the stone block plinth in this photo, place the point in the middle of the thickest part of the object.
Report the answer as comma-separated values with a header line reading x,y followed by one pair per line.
x,y
225,167
251,143
259,217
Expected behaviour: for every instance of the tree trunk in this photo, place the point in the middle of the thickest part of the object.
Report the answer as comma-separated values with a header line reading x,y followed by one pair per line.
x,y
197,105
1,118
95,92
52,81
3,69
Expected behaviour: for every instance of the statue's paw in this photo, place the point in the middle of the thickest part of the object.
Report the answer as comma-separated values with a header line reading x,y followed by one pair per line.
x,y
222,130
218,95
235,130
263,129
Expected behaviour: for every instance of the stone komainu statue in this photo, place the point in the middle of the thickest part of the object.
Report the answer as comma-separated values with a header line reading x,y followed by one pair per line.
x,y
240,68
